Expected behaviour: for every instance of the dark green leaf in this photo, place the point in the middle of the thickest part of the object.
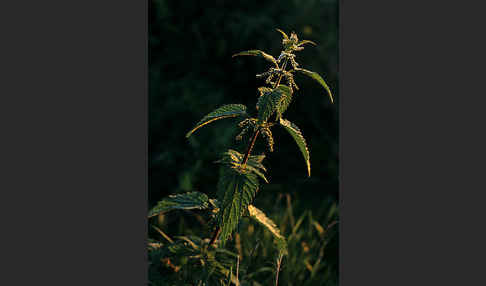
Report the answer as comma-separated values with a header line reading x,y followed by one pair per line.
x,y
225,111
275,100
236,190
299,139
285,99
258,53
318,78
267,104
186,201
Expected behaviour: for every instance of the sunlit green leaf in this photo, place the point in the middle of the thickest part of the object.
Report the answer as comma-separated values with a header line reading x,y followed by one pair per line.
x,y
283,34
274,100
318,78
262,219
225,111
303,42
299,139
257,53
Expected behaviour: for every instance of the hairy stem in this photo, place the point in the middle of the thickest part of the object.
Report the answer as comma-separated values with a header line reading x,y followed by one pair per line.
x,y
215,235
247,155
281,75
250,147
278,82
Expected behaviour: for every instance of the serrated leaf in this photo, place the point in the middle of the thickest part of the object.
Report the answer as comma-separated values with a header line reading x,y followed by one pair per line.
x,y
266,105
274,100
186,201
299,139
256,171
236,190
254,164
285,99
266,56
318,78
262,219
225,111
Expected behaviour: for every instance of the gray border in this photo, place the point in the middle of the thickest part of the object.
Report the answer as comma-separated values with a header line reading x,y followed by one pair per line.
x,y
74,143
411,145
74,156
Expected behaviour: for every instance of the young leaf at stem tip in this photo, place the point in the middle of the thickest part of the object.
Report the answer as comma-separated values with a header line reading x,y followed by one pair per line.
x,y
303,42
258,53
283,34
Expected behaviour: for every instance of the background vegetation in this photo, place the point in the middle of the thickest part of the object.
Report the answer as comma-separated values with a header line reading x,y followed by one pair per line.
x,y
191,72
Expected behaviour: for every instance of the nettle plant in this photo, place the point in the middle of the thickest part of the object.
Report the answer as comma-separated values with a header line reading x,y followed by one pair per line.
x,y
241,172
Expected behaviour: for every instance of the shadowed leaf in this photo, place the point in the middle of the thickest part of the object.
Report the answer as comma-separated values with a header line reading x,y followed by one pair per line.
x,y
236,191
285,99
186,201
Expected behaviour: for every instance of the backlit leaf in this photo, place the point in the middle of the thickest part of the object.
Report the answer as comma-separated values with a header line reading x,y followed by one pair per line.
x,y
275,100
254,164
299,139
262,219
283,34
318,78
225,111
257,53
303,42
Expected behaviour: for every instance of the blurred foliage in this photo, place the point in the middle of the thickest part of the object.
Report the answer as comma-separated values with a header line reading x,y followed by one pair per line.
x,y
191,72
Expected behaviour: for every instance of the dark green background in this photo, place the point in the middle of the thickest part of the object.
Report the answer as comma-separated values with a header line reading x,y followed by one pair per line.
x,y
191,73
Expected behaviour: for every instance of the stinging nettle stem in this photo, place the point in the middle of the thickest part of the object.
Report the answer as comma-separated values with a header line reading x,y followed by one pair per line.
x,y
248,152
252,143
215,235
250,147
281,75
